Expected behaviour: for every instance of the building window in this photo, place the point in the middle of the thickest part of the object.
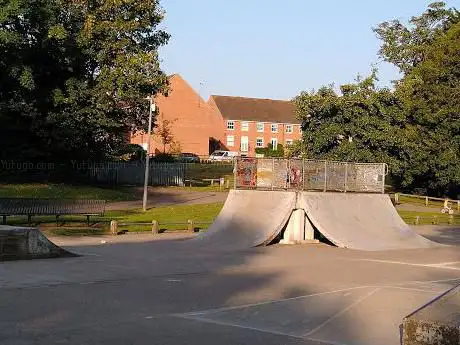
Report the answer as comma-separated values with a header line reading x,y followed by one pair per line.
x,y
289,142
244,126
288,128
274,143
274,127
244,144
230,140
231,125
260,142
260,126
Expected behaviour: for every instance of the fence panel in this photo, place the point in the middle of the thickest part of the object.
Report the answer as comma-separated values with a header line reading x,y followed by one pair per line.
x,y
246,173
336,176
314,175
275,173
264,173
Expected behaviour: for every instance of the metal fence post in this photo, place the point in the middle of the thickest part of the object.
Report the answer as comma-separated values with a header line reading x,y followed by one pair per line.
x,y
383,177
235,172
325,176
288,175
345,179
303,173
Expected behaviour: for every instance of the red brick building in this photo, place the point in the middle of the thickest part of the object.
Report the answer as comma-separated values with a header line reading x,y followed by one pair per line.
x,y
194,124
254,122
235,123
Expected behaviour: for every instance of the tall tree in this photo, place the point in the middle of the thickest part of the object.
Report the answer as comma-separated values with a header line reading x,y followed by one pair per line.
x,y
76,75
431,95
405,46
361,123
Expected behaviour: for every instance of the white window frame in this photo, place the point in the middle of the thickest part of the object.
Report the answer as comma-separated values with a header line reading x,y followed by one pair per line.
x,y
274,125
274,147
259,139
245,141
289,142
231,125
262,127
289,128
232,141
244,126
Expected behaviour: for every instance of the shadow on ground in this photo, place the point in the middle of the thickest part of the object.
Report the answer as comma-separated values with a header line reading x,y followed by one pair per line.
x,y
180,292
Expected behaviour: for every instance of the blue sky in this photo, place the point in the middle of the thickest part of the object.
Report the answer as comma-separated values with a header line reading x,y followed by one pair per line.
x,y
275,49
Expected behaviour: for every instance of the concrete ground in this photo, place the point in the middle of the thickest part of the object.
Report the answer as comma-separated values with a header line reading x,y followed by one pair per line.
x,y
170,196
140,289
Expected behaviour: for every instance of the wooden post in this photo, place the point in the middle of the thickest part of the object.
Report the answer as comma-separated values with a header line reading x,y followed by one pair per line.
x,y
426,201
190,225
155,227
417,220
397,198
458,205
451,219
114,227
227,186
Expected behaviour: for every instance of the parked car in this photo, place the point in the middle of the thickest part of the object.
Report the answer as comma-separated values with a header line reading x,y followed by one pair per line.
x,y
220,155
188,157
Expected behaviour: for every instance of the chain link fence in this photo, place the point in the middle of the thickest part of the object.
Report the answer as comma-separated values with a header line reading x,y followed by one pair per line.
x,y
303,174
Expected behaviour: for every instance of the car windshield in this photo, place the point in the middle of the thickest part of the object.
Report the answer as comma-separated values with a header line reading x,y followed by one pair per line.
x,y
218,153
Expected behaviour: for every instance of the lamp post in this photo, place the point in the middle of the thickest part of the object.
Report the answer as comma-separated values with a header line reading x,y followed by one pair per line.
x,y
147,158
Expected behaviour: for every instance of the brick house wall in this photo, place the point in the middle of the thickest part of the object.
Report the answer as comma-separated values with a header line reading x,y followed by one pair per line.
x,y
194,122
286,132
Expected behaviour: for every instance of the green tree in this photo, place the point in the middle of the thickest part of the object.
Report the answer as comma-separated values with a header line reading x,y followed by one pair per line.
x,y
361,123
268,151
164,131
75,75
431,98
405,46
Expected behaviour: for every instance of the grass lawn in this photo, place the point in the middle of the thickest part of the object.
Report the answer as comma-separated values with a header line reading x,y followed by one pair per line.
x,y
65,191
201,214
428,217
421,202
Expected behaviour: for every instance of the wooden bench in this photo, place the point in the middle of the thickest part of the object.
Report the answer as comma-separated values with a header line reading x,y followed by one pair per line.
x,y
50,207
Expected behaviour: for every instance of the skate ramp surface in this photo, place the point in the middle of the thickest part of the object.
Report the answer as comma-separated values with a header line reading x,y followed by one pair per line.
x,y
249,219
360,221
17,243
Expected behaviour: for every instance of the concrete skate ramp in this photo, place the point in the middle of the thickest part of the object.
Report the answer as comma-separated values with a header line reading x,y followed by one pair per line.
x,y
360,221
17,243
249,219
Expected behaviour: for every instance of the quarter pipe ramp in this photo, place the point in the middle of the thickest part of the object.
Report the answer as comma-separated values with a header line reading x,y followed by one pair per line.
x,y
18,243
360,221
249,219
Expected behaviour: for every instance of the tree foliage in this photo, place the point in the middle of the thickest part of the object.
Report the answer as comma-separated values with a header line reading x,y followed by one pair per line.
x,y
431,95
405,46
362,124
268,151
164,131
414,128
75,75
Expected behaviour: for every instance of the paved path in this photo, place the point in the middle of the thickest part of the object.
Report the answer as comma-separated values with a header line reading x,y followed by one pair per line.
x,y
157,289
167,196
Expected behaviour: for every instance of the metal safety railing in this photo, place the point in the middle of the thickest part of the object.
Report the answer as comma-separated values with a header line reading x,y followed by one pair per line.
x,y
307,174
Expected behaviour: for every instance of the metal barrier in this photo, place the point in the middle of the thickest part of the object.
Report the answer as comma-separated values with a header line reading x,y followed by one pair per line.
x,y
307,174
